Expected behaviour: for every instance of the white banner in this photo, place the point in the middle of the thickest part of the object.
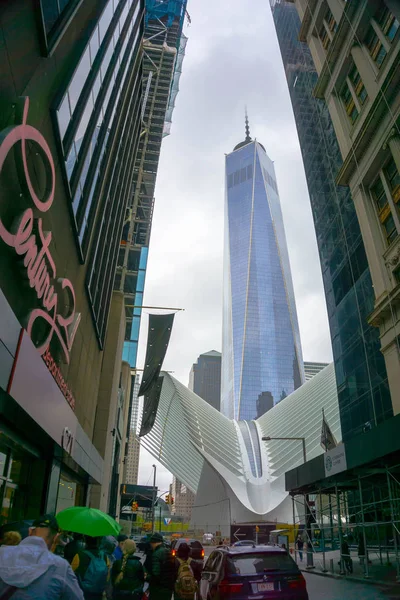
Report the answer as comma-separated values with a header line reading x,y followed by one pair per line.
x,y
335,460
167,520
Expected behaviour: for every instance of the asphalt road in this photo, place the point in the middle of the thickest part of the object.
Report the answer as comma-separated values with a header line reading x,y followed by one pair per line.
x,y
327,588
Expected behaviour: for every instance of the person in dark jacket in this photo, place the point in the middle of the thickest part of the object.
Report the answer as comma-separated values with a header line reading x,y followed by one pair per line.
x,y
128,574
73,547
161,570
345,556
300,546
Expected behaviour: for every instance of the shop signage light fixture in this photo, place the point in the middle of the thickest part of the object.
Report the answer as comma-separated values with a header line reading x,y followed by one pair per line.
x,y
33,244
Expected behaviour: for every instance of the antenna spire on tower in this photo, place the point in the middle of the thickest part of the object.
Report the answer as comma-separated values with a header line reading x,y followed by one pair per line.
x,y
247,128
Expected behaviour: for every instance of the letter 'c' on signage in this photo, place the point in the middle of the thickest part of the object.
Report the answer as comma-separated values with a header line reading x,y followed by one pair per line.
x,y
38,261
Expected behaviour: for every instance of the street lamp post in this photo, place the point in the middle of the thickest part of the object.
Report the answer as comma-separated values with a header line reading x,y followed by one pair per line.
x,y
310,561
153,511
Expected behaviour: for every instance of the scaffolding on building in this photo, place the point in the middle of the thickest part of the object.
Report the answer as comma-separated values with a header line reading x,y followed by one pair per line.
x,y
162,61
351,522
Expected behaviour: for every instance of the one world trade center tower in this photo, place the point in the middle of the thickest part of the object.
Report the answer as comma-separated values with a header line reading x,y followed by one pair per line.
x,y
261,351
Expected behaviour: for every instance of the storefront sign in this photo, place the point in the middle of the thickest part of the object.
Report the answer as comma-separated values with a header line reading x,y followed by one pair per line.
x,y
59,379
335,460
56,295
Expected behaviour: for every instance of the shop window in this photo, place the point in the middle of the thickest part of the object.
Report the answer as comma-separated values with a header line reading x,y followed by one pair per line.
x,y
71,492
17,498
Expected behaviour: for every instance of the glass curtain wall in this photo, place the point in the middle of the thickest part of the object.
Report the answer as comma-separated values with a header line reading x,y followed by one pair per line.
x,y
261,340
364,398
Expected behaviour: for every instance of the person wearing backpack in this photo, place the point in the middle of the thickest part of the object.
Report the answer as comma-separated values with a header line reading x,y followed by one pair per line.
x,y
128,574
161,569
189,573
91,567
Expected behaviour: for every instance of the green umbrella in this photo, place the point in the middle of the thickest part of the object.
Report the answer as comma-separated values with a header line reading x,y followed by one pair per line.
x,y
88,521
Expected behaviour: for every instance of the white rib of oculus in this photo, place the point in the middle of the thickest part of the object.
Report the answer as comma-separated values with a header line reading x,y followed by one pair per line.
x,y
235,474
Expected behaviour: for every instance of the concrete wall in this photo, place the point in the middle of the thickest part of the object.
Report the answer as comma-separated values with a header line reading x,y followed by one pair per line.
x,y
106,413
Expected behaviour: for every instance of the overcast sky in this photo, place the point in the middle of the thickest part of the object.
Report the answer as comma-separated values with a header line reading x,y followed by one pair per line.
x,y
232,60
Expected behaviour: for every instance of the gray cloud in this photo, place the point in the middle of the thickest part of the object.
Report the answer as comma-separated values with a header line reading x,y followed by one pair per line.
x,y
232,60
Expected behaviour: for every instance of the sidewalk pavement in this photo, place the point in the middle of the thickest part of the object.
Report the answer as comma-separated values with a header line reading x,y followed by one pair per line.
x,y
380,571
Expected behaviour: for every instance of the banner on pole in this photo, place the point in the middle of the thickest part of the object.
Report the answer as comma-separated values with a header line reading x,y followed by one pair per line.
x,y
328,441
160,327
167,520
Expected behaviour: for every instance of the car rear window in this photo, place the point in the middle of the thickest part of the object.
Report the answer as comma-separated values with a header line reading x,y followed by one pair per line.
x,y
195,544
259,562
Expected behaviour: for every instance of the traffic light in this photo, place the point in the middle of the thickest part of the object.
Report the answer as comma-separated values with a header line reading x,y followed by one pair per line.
x,y
134,506
171,500
167,498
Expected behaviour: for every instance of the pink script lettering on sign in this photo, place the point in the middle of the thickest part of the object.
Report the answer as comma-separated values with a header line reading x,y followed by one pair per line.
x,y
58,307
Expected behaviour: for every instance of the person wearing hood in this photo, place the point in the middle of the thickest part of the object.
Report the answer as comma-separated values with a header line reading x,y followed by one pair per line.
x,y
161,570
30,570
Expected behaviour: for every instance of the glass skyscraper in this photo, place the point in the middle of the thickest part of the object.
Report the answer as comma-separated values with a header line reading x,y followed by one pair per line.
x,y
363,391
261,350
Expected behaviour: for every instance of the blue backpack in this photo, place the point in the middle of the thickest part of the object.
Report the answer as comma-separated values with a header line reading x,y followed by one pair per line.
x,y
95,579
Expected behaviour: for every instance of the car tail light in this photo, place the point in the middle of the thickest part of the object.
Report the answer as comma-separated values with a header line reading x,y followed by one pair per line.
x,y
225,587
173,552
202,554
297,583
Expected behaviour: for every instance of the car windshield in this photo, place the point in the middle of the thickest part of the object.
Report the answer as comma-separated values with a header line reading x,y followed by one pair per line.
x,y
195,544
259,562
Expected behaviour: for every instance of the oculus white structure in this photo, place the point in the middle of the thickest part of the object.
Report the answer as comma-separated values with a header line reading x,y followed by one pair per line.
x,y
237,476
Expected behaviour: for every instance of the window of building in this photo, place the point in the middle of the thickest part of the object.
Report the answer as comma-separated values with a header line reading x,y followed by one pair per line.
x,y
328,29
324,37
378,191
375,46
329,18
379,45
349,103
387,22
359,86
55,14
393,179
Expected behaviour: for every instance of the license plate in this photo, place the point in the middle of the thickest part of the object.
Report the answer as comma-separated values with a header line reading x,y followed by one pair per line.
x,y
265,587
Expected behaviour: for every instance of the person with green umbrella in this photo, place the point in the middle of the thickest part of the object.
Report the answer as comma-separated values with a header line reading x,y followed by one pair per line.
x,y
90,564
91,567
88,521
